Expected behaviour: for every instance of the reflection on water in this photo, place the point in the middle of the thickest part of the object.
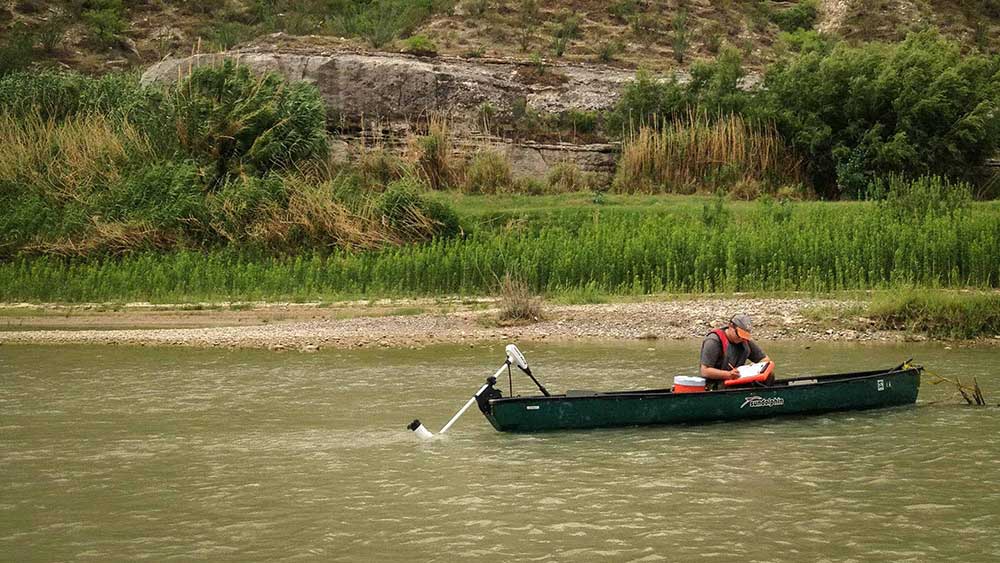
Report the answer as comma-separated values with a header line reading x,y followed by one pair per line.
x,y
136,453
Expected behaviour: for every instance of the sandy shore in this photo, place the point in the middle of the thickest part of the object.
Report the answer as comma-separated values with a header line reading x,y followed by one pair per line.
x,y
414,323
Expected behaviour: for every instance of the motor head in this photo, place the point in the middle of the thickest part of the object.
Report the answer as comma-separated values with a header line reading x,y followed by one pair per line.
x,y
515,357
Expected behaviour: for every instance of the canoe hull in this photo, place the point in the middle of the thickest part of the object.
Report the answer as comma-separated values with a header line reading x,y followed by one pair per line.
x,y
804,395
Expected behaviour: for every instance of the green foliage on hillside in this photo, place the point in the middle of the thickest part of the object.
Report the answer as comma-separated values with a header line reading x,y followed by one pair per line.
x,y
854,113
912,108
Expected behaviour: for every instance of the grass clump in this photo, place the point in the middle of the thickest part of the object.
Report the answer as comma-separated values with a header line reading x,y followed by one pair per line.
x,y
939,314
488,173
517,302
434,157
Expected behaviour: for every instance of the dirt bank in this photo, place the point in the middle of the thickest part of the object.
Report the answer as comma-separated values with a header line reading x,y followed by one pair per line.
x,y
402,323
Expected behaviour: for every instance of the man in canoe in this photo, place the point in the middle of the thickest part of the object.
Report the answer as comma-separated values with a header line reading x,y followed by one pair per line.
x,y
725,349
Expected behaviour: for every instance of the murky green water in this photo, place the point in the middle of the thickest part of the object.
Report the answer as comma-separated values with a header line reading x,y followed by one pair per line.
x,y
132,453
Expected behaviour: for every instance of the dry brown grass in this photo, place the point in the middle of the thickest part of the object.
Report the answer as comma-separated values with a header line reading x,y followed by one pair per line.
x,y
698,154
433,155
517,302
107,237
69,157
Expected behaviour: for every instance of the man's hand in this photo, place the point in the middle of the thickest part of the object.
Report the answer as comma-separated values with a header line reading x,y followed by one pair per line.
x,y
733,372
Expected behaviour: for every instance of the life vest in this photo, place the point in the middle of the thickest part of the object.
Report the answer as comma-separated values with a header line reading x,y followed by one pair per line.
x,y
761,377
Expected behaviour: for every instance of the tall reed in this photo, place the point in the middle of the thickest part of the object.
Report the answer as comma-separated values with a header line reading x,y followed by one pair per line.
x,y
67,158
698,154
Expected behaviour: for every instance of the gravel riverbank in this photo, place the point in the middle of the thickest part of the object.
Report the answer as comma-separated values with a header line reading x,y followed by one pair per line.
x,y
414,323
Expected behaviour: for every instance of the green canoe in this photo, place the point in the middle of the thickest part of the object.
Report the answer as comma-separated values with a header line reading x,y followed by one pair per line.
x,y
796,396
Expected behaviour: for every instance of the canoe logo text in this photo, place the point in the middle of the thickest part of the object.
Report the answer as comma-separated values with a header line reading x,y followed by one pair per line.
x,y
756,401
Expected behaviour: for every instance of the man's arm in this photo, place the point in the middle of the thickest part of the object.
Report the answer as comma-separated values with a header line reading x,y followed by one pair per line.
x,y
711,351
757,354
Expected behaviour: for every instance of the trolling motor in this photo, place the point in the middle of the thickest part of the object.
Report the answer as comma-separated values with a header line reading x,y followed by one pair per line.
x,y
485,393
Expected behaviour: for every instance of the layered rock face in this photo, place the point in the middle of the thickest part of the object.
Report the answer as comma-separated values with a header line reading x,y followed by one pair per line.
x,y
401,87
396,91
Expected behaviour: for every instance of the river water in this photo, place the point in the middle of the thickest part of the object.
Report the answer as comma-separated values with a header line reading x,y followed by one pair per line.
x,y
133,453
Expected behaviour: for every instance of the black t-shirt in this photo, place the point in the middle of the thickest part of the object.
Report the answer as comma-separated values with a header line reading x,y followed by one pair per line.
x,y
736,354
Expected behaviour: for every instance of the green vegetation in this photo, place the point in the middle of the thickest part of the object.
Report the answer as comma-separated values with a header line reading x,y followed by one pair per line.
x,y
420,46
800,16
853,113
939,314
857,113
224,159
565,244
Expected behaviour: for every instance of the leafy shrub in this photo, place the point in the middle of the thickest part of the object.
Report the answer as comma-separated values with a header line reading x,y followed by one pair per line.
x,y
623,9
578,121
855,113
420,46
569,27
608,50
800,16
379,21
528,20
241,123
106,20
679,37
16,50
713,89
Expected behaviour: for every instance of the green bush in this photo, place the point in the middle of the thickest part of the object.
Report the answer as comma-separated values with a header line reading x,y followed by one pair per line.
x,y
800,16
380,21
59,95
241,123
651,101
241,201
16,50
167,195
856,113
420,46
106,20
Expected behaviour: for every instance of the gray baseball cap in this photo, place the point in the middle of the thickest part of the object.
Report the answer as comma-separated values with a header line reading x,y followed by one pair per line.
x,y
743,324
